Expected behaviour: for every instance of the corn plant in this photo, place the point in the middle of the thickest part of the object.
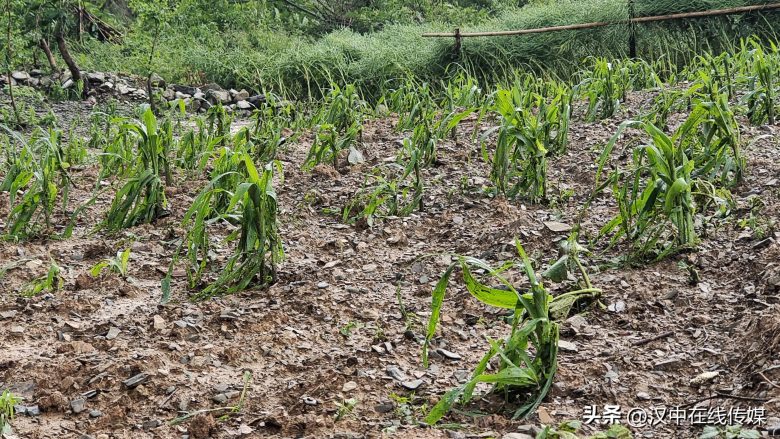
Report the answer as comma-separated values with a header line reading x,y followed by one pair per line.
x,y
51,281
254,208
8,401
763,85
413,102
116,264
219,123
396,192
39,171
527,358
527,135
141,199
603,86
329,142
657,189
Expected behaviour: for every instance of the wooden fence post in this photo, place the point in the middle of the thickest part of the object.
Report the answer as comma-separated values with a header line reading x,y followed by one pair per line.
x,y
457,43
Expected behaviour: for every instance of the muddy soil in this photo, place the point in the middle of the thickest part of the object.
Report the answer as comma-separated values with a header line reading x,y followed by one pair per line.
x,y
351,305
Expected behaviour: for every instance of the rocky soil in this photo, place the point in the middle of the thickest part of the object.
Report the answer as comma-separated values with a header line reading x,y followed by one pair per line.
x,y
333,348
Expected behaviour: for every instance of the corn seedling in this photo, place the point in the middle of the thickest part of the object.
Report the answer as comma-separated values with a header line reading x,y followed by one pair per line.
x,y
530,130
141,199
253,207
413,102
51,281
604,86
116,264
761,98
658,188
39,171
521,371
7,403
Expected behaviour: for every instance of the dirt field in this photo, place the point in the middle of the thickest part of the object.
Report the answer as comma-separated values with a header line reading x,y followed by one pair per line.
x,y
331,328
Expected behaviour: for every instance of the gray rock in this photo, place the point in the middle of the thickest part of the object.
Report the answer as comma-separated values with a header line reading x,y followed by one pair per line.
x,y
36,73
124,89
96,77
218,96
180,95
95,413
134,381
150,424
322,285
112,333
412,385
169,94
241,96
212,86
20,76
244,105
106,87
384,407
68,84
517,436
185,90
77,405
395,373
448,354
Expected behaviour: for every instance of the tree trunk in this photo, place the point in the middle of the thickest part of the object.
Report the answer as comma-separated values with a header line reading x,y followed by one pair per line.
x,y
74,69
49,56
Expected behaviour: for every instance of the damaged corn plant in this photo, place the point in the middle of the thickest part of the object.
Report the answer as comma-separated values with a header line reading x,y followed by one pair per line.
x,y
251,213
338,126
38,170
141,199
532,127
526,361
657,190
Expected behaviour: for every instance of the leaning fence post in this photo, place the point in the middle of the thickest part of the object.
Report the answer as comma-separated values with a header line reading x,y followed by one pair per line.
x,y
631,30
457,43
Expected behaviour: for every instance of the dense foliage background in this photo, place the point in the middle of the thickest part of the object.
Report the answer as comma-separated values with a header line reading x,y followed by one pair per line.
x,y
295,46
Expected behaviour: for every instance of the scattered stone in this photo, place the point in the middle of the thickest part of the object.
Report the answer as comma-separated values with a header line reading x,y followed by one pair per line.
x,y
666,365
322,285
704,378
240,96
448,354
21,76
96,77
150,424
412,385
395,373
218,96
567,346
244,105
7,314
557,227
168,94
77,405
349,386
308,400
617,307
158,322
134,381
644,396
384,407
95,413
17,330
184,89
517,436
157,80
369,268
29,410
112,333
